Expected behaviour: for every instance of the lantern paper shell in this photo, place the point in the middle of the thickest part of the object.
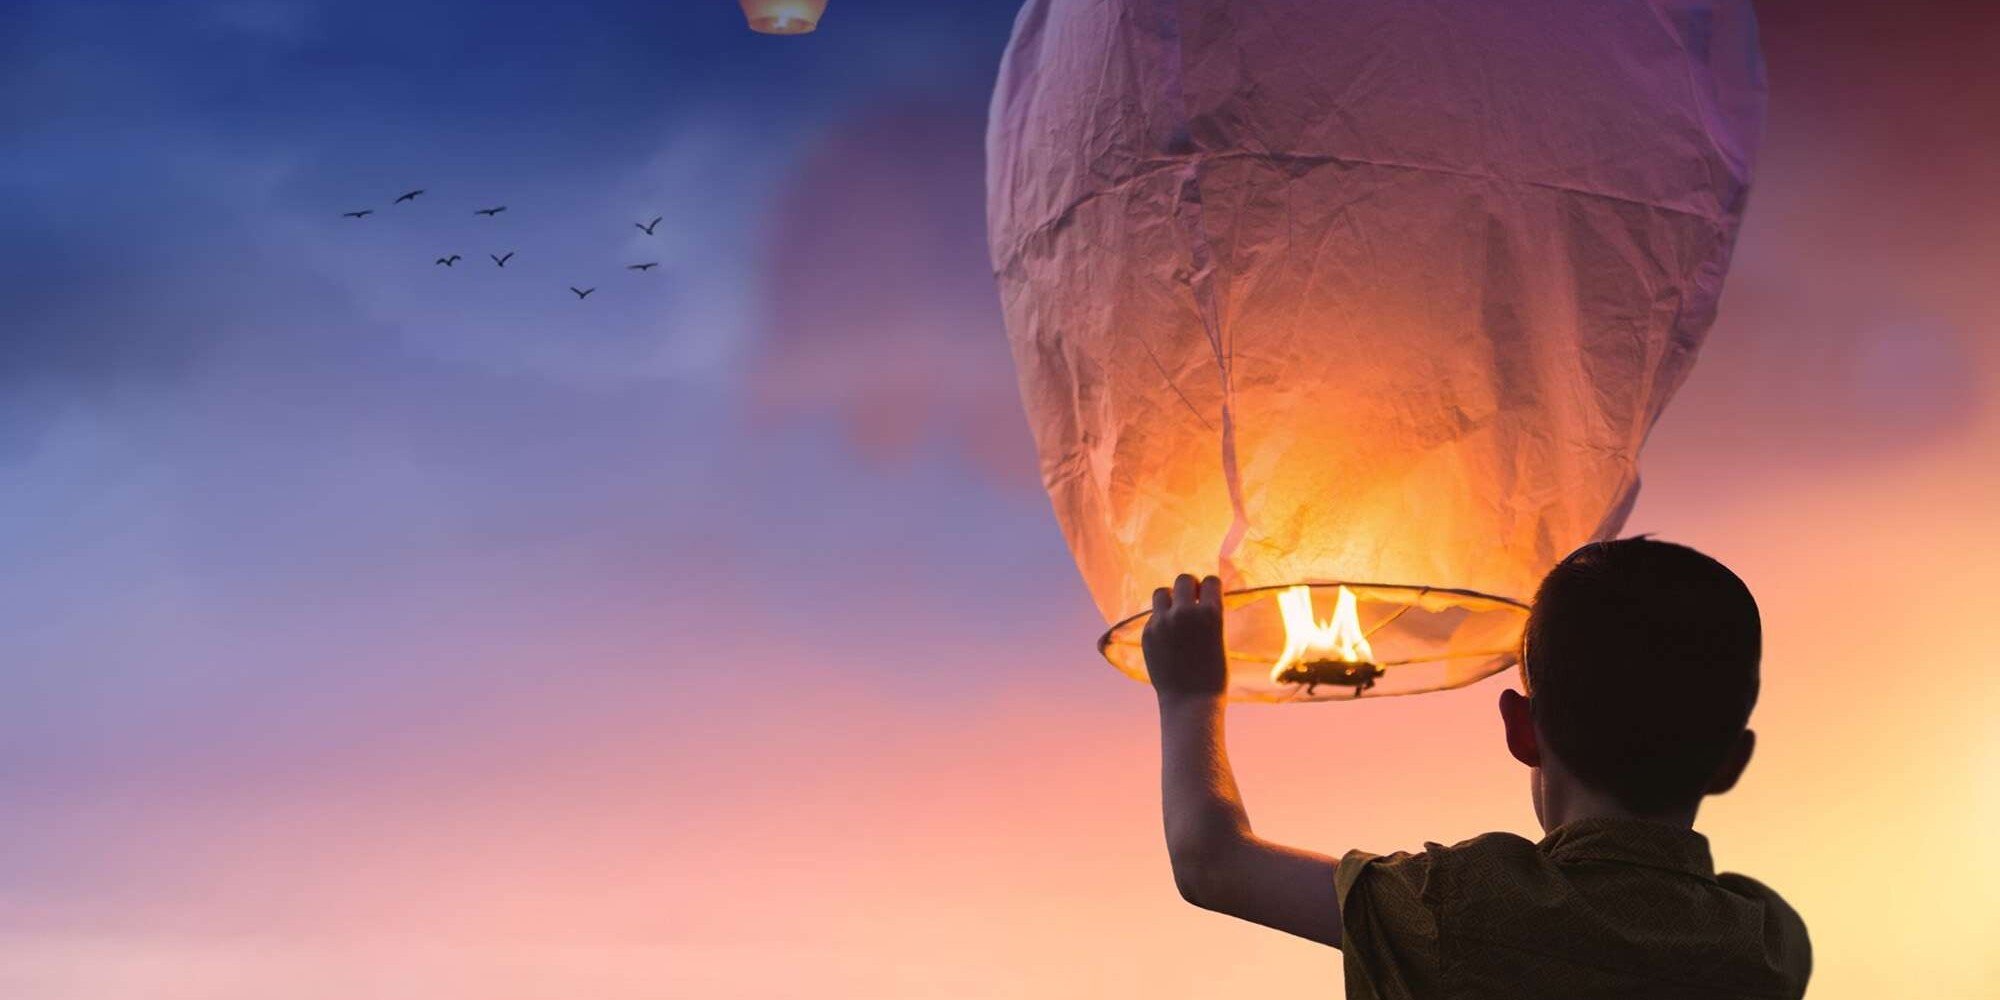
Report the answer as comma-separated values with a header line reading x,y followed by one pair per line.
x,y
1365,291
783,17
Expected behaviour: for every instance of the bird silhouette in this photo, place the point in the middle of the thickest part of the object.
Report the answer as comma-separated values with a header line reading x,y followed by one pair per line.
x,y
648,226
491,211
642,267
502,260
409,196
364,213
581,293
448,261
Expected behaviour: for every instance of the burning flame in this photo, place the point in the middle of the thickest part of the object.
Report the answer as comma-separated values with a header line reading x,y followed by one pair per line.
x,y
1307,638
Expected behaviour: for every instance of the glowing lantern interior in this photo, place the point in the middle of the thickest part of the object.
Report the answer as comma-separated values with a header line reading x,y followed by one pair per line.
x,y
783,17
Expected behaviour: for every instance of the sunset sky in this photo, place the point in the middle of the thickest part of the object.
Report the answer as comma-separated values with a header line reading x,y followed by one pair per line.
x,y
374,629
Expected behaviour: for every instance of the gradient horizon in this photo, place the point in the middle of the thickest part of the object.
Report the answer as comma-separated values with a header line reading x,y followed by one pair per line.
x,y
373,629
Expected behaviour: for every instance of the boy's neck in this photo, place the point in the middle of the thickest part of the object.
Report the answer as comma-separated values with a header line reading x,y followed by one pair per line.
x,y
1560,799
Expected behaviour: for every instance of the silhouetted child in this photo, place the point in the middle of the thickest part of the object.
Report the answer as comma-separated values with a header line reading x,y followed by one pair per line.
x,y
1640,662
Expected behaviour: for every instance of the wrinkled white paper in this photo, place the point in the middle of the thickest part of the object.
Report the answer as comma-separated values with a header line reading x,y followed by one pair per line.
x,y
1359,289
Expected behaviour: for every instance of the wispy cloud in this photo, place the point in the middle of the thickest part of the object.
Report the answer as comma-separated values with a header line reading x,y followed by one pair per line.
x,y
881,310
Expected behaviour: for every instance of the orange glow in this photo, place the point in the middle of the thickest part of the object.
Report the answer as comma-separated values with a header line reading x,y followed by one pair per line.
x,y
1307,638
783,17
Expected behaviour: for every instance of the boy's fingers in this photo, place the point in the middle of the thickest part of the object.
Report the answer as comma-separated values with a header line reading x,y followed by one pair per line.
x,y
1185,590
1162,600
1211,591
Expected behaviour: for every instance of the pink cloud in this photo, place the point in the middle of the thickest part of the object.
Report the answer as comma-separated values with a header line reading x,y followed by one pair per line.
x,y
882,313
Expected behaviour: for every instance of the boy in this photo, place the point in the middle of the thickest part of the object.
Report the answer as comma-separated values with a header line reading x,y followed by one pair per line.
x,y
1640,661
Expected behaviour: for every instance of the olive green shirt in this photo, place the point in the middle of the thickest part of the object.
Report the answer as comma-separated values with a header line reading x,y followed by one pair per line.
x,y
1600,908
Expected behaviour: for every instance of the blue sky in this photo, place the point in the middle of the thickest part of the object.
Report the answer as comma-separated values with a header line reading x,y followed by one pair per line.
x,y
263,456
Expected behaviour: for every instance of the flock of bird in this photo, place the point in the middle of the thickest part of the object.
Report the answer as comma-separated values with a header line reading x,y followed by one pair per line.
x,y
500,260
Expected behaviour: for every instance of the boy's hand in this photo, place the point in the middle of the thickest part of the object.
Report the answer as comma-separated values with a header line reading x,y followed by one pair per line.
x,y
1183,639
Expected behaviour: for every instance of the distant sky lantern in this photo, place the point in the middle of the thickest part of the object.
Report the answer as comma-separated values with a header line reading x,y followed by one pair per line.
x,y
783,17
1366,305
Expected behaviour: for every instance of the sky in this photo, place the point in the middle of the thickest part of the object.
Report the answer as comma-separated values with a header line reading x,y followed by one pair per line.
x,y
371,628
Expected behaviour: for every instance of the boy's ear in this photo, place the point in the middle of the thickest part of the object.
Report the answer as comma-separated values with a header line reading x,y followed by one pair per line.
x,y
1733,765
1520,723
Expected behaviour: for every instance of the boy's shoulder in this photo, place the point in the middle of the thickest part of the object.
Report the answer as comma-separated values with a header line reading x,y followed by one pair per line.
x,y
1477,857
1499,843
1503,867
1578,899
1744,885
1428,873
1782,923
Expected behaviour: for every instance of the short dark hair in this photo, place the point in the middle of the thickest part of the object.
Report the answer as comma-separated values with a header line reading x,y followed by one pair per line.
x,y
1641,662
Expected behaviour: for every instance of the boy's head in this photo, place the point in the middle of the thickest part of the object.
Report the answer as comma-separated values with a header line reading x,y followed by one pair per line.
x,y
1641,665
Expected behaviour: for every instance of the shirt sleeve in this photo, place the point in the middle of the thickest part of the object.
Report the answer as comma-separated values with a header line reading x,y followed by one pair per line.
x,y
1388,930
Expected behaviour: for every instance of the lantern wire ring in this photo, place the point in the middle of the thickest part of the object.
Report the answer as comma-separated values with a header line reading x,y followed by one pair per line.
x,y
1409,596
1106,640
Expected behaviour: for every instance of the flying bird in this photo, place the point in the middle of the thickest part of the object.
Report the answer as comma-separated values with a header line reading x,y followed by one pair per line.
x,y
364,213
581,293
648,226
642,267
502,260
448,261
491,211
409,196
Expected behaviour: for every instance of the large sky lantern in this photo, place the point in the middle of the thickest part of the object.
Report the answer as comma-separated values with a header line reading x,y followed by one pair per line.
x,y
783,17
1367,306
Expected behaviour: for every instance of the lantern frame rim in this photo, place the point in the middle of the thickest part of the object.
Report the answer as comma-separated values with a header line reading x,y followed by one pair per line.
x,y
1413,593
780,27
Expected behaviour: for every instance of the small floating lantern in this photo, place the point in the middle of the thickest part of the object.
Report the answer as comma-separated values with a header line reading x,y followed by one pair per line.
x,y
783,17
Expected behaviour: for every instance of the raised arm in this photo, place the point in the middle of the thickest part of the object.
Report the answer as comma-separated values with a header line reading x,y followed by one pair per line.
x,y
1219,864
